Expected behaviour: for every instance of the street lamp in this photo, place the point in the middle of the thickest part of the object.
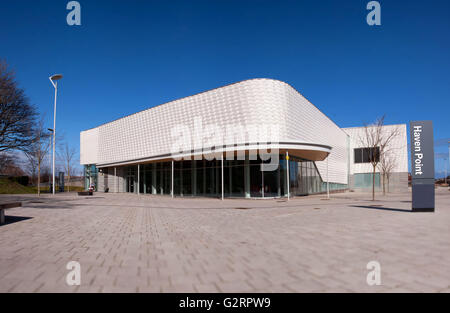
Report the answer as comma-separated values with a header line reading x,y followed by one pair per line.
x,y
445,178
54,80
49,159
448,159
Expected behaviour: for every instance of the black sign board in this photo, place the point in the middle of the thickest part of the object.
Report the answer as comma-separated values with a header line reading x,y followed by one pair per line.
x,y
422,166
61,181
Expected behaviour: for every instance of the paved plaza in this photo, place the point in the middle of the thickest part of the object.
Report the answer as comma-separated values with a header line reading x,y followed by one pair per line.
x,y
131,243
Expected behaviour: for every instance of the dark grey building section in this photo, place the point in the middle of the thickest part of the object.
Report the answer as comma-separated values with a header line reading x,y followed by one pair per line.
x,y
422,166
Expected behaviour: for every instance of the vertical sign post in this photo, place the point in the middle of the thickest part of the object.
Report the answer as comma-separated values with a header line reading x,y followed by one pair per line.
x,y
422,166
61,181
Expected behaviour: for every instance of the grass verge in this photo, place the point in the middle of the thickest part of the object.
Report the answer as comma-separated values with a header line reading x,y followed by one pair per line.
x,y
9,187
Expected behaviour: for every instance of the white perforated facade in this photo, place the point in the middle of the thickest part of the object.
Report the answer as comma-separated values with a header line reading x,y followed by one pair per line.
x,y
145,137
396,151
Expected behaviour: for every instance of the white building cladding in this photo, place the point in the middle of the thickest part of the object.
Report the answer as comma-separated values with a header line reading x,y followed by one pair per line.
x,y
142,143
396,151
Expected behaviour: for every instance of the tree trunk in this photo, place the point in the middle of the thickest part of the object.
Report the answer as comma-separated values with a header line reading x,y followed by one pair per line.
x,y
373,183
68,176
384,184
39,179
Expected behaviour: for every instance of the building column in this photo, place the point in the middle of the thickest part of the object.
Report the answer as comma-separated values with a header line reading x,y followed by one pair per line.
x,y
194,177
328,180
145,181
262,182
173,168
223,187
161,181
279,179
139,179
247,176
230,186
287,176
154,179
116,187
181,179
204,178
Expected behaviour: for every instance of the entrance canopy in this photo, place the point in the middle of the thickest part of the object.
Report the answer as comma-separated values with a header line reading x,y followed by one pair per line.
x,y
307,151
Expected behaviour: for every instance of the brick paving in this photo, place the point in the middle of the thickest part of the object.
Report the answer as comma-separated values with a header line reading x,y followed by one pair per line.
x,y
130,243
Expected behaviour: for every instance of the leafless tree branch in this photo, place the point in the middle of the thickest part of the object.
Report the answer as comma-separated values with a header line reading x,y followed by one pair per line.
x,y
377,140
17,116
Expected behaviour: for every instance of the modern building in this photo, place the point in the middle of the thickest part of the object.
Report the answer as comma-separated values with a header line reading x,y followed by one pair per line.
x,y
217,144
394,161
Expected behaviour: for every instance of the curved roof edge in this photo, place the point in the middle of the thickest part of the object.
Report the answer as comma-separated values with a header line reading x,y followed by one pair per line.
x,y
209,90
291,145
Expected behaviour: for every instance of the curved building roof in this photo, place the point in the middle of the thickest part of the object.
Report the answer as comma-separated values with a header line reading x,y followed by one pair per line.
x,y
235,109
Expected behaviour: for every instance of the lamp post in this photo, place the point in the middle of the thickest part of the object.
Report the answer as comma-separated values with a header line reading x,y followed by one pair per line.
x,y
328,179
287,176
54,80
445,177
448,159
49,159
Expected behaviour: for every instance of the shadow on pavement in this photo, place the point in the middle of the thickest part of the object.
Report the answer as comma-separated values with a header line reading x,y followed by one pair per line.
x,y
381,208
14,219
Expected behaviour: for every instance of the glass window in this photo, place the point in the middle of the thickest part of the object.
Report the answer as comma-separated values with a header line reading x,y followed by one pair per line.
x,y
90,177
366,155
358,156
365,180
204,178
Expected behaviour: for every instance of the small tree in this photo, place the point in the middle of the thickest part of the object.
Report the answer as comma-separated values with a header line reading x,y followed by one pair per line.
x,y
376,140
6,160
37,151
30,165
68,160
9,165
387,165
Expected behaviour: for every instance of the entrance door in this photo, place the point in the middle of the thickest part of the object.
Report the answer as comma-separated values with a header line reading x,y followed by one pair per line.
x,y
271,183
130,184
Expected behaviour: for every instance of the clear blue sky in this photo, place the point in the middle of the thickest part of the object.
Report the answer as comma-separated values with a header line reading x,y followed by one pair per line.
x,y
131,55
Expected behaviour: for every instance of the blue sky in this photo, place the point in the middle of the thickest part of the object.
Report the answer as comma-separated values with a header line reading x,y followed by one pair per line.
x,y
131,55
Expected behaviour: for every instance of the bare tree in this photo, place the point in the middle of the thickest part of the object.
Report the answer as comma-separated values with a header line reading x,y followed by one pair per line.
x,y
17,116
375,140
30,165
387,166
37,151
6,160
9,165
67,156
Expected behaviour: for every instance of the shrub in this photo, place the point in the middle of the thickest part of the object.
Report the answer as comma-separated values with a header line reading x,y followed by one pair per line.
x,y
22,180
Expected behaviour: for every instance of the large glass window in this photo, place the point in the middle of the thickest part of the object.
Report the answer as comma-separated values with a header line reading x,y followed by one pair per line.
x,y
365,180
234,180
131,179
242,178
255,179
90,177
367,155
